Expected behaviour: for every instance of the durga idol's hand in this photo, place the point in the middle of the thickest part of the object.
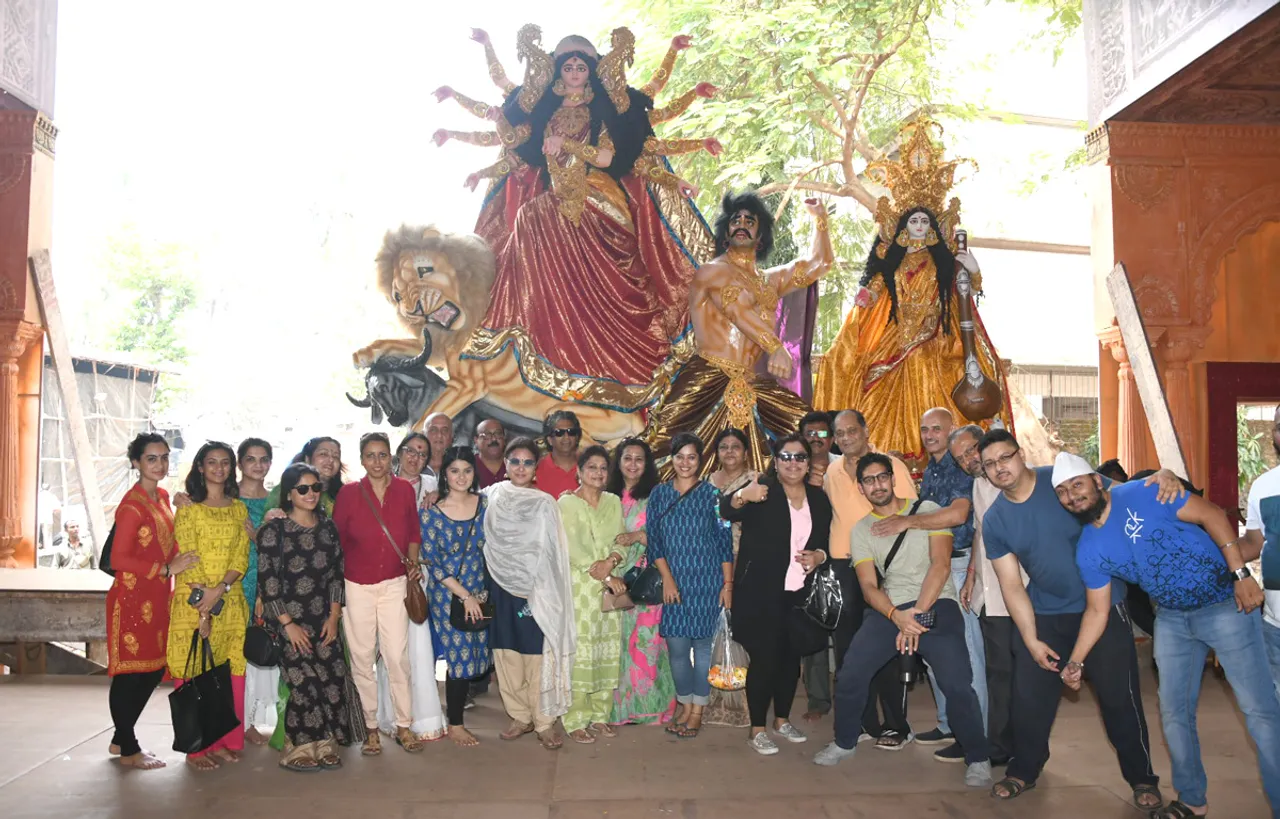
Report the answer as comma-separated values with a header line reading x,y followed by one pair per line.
x,y
688,190
864,299
443,93
713,146
552,144
966,258
680,42
472,181
440,137
705,90
815,206
781,363
480,36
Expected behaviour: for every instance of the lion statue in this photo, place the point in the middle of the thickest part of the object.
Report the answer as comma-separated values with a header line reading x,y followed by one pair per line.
x,y
439,284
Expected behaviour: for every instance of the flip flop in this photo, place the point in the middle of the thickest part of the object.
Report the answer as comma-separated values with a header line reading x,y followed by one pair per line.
x,y
1144,790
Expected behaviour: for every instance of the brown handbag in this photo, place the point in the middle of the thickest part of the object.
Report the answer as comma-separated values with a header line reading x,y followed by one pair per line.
x,y
415,599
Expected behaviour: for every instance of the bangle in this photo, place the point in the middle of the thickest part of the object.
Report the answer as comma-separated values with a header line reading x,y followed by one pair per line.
x,y
892,609
1226,546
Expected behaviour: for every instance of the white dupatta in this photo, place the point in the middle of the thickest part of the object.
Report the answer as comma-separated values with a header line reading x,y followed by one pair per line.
x,y
526,552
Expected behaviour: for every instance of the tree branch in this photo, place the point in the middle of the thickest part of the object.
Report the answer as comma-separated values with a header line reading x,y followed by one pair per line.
x,y
825,91
813,187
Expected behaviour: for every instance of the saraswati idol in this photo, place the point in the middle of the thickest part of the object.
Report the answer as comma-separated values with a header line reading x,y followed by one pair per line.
x,y
914,339
596,240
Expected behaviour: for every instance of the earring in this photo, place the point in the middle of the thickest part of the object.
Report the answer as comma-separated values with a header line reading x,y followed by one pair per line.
x,y
903,240
931,238
558,88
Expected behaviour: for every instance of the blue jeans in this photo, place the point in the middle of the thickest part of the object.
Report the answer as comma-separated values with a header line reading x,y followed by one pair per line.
x,y
977,653
690,667
1182,641
1272,636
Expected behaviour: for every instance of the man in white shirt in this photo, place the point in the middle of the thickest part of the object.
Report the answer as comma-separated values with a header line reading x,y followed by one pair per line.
x,y
981,594
1262,536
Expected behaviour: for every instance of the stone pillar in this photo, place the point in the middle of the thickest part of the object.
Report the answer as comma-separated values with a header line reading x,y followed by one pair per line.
x,y
15,336
1178,347
1132,441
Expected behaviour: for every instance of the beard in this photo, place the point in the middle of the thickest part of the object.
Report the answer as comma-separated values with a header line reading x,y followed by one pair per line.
x,y
1089,516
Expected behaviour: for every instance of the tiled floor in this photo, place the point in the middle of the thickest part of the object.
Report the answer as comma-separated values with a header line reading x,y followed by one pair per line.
x,y
55,731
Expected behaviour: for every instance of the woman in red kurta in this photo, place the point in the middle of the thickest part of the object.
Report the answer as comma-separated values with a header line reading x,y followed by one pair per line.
x,y
144,558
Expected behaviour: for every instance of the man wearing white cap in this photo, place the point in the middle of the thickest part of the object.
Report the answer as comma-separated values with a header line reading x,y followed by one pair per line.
x,y
1026,528
1185,555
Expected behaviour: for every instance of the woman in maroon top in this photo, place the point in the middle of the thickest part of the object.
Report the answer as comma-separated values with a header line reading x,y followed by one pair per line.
x,y
375,617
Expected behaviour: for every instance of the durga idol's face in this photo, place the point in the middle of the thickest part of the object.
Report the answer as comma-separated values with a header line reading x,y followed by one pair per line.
x,y
744,227
575,73
917,225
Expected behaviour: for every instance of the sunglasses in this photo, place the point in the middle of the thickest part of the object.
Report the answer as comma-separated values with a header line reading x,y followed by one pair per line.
x,y
304,489
572,432
787,457
521,462
817,433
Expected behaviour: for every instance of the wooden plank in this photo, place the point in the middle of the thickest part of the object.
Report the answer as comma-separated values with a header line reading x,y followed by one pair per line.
x,y
1145,375
64,368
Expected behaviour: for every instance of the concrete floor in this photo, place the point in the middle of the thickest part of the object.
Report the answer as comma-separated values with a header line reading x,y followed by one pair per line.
x,y
55,731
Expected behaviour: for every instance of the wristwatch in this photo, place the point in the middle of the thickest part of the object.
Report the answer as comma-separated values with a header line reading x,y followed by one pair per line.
x,y
226,587
1242,573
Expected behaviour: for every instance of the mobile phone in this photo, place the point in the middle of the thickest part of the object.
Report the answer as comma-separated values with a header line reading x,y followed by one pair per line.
x,y
196,596
217,607
925,618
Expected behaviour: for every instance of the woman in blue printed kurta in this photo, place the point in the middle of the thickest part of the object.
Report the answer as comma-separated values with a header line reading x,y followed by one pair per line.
x,y
453,561
694,552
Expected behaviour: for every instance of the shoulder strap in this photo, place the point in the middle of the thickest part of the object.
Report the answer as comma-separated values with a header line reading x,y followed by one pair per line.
x,y
373,507
897,544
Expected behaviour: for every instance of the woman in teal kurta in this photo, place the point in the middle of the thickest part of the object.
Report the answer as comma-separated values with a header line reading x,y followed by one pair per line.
x,y
593,520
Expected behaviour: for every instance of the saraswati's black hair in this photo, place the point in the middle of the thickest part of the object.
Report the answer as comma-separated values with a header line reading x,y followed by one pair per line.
x,y
753,204
887,268
627,131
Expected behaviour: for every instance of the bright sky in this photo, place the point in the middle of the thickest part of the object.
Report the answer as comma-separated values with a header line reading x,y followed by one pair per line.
x,y
280,139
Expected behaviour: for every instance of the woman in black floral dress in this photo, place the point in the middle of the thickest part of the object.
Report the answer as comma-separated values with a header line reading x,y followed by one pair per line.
x,y
301,585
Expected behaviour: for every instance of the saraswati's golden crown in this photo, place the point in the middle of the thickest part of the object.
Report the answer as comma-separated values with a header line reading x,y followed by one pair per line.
x,y
918,178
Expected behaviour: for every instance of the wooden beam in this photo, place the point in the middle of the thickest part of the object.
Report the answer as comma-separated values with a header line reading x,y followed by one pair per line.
x,y
1145,375
995,243
64,368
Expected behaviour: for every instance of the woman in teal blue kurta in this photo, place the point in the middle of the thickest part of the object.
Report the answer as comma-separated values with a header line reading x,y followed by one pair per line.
x,y
261,685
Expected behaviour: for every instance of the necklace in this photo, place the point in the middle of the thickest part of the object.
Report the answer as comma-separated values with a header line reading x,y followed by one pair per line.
x,y
766,296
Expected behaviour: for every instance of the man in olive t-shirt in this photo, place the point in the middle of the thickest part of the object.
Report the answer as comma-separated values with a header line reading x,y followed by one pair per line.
x,y
917,587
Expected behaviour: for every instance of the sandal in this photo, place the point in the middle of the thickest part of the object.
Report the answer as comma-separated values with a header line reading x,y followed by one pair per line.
x,y
689,730
891,740
517,730
372,744
1177,809
550,740
607,731
330,762
674,727
1013,788
1140,791
301,765
582,736
405,739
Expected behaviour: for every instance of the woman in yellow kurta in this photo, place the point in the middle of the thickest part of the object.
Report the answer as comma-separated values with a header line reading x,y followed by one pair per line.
x,y
593,520
213,527
899,352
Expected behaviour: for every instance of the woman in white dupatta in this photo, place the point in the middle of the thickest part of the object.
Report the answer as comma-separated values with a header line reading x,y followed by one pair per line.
x,y
533,636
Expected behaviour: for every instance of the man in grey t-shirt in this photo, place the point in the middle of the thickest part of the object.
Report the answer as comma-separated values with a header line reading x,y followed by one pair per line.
x,y
917,587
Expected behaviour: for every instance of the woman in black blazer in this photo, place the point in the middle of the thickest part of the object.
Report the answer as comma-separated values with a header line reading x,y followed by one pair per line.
x,y
769,579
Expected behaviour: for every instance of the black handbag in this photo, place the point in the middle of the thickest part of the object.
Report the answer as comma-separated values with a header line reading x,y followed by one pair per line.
x,y
824,601
458,615
104,562
262,645
644,585
203,707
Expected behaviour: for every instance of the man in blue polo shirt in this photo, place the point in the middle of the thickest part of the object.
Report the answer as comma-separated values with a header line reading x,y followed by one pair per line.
x,y
1026,528
1186,556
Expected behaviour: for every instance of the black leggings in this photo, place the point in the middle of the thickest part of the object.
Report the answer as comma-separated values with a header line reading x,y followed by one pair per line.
x,y
773,674
128,698
455,698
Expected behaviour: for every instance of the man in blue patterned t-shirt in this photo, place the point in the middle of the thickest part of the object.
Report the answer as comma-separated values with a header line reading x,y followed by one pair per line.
x,y
1186,556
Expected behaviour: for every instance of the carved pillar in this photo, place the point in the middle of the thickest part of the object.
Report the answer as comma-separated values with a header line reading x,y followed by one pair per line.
x,y
15,336
1131,422
1178,347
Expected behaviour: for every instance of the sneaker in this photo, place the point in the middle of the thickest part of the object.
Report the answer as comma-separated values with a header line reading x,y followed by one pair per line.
x,y
865,737
951,753
762,744
470,703
934,737
832,755
893,741
978,775
790,733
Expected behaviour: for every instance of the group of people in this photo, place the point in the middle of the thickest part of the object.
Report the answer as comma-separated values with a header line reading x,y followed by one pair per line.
x,y
999,575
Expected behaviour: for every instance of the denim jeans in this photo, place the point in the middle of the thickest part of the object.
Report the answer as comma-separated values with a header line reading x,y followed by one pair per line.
x,y
1272,636
690,667
1182,641
977,653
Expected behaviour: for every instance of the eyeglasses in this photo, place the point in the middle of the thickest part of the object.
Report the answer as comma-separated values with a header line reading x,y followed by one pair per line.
x,y
879,477
817,433
572,432
408,452
787,457
1003,460
488,434
304,489
521,462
